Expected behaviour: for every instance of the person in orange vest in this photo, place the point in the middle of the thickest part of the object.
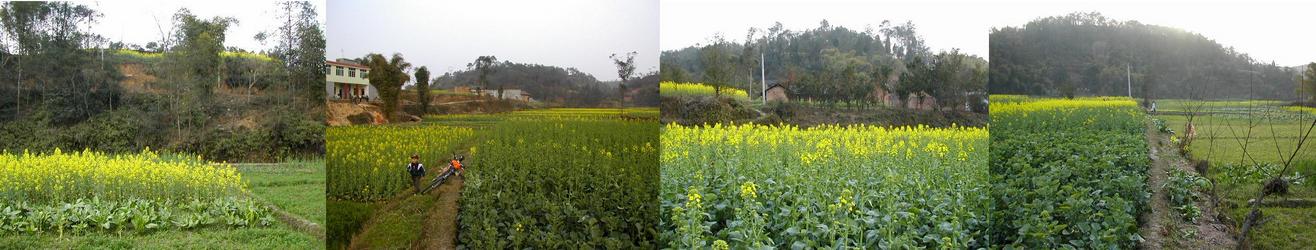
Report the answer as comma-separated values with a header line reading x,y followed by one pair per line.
x,y
456,164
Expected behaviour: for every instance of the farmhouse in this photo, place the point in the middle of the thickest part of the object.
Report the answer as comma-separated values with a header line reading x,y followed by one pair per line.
x,y
510,94
776,93
346,80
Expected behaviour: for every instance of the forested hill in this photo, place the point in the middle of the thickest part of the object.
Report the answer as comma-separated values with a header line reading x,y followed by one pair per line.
x,y
63,87
829,63
1087,54
551,84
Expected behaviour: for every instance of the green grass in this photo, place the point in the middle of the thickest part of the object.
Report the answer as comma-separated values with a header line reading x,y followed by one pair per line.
x,y
348,216
400,227
395,229
1284,227
1217,105
295,187
276,237
1219,137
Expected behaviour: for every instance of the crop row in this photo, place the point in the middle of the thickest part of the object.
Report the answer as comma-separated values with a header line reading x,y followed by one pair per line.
x,y
562,184
85,191
865,187
1068,173
553,114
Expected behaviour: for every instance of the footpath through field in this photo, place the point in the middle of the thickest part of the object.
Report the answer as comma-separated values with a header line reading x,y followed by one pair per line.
x,y
415,221
1162,227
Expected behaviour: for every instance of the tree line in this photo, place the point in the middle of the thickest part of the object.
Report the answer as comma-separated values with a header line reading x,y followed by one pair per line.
x,y
831,64
1090,54
554,85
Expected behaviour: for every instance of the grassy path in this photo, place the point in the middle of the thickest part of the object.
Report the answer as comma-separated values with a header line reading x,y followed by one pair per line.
x,y
418,221
1162,227
440,227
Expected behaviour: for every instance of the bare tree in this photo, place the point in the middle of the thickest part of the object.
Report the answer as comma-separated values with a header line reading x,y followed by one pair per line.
x,y
625,69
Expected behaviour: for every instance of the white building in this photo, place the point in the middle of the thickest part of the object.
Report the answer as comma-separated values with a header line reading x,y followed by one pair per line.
x,y
346,80
510,94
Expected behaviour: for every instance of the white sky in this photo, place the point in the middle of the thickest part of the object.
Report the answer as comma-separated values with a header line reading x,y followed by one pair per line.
x,y
1266,30
135,21
447,35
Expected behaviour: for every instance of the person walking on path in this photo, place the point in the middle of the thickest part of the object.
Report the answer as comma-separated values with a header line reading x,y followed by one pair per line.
x,y
417,170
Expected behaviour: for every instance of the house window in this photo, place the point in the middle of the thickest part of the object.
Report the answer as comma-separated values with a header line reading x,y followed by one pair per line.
x,y
351,72
338,70
363,73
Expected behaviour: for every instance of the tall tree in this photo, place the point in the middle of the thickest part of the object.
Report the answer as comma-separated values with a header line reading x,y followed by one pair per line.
x,y
625,69
53,63
485,65
194,65
717,64
670,72
917,78
388,75
423,89
301,48
1307,83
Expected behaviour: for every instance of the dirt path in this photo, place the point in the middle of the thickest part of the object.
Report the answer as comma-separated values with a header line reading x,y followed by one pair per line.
x,y
440,227
1153,229
431,219
1162,228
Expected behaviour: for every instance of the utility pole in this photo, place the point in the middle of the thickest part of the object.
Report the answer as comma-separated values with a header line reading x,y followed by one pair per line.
x,y
763,83
1129,76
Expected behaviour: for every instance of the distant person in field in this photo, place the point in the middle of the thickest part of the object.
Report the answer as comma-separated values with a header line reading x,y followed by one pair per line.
x,y
416,170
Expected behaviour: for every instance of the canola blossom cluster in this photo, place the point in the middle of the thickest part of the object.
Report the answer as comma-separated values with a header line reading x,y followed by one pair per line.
x,y
674,89
83,191
366,163
64,177
858,186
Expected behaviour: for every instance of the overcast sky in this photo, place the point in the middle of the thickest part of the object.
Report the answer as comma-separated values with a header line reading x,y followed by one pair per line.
x,y
135,21
447,35
1266,30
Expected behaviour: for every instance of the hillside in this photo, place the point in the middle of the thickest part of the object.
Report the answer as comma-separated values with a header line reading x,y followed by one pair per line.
x,y
552,85
1090,54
